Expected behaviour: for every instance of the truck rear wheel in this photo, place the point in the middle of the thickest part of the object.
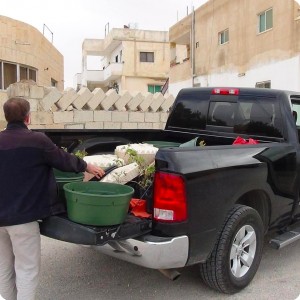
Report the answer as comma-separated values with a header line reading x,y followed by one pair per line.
x,y
237,253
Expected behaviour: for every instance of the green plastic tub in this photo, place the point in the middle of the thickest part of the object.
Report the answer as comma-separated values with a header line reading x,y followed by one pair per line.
x,y
65,177
162,144
97,203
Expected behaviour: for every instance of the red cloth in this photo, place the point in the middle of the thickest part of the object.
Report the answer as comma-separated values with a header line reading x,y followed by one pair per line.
x,y
241,141
138,208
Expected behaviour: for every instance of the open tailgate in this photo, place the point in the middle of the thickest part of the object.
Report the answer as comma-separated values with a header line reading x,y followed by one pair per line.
x,y
61,228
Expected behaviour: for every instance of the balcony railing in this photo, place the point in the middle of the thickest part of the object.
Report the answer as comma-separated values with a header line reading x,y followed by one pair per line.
x,y
111,72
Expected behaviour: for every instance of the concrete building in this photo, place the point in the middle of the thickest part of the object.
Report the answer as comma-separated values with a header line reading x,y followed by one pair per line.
x,y
237,43
25,54
129,59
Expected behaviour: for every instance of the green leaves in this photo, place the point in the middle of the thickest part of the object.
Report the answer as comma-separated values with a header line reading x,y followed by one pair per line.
x,y
80,153
146,171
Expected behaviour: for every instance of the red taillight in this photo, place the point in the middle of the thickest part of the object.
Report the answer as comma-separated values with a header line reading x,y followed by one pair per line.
x,y
225,91
169,198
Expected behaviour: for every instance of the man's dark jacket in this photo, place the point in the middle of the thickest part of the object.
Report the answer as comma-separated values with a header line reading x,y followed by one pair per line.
x,y
28,190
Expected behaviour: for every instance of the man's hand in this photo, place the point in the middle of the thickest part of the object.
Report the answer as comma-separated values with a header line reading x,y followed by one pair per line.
x,y
96,171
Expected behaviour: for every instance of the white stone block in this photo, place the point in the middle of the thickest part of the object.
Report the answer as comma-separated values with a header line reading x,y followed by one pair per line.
x,y
74,126
158,125
145,125
146,151
36,127
164,117
83,116
69,96
19,89
123,174
102,115
152,117
104,160
112,125
55,126
110,99
169,100
158,100
127,125
36,92
148,98
137,116
94,125
84,95
54,108
48,126
97,97
41,118
52,97
119,116
125,97
63,117
34,104
3,97
136,100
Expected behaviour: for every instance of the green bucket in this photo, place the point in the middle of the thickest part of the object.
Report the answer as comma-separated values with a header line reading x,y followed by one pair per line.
x,y
162,144
97,203
65,177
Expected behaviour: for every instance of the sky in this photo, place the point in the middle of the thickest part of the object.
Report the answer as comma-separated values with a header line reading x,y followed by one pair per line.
x,y
68,23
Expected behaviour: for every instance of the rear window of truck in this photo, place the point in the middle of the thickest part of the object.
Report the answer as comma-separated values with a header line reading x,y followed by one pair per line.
x,y
190,112
251,115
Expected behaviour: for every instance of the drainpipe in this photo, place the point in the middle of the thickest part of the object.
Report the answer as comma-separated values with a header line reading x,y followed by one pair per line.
x,y
193,46
134,57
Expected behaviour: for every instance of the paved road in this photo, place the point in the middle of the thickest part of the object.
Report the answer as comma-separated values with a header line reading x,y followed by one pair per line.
x,y
71,272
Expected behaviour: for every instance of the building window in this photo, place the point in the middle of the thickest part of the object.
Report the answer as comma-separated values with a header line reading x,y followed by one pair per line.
x,y
53,82
11,73
223,37
154,88
263,84
146,56
265,20
32,74
23,73
27,73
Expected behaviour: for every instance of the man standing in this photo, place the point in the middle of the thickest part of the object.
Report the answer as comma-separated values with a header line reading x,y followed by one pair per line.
x,y
28,193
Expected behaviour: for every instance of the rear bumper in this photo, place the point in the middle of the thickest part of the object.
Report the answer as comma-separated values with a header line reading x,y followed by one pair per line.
x,y
150,251
131,241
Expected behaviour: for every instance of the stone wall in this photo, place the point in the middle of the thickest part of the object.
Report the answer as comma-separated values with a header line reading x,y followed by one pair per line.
x,y
69,109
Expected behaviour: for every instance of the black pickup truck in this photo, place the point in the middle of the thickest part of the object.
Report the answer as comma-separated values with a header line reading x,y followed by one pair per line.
x,y
211,205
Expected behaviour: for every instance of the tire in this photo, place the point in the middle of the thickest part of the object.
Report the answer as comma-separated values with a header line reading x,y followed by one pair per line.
x,y
237,252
